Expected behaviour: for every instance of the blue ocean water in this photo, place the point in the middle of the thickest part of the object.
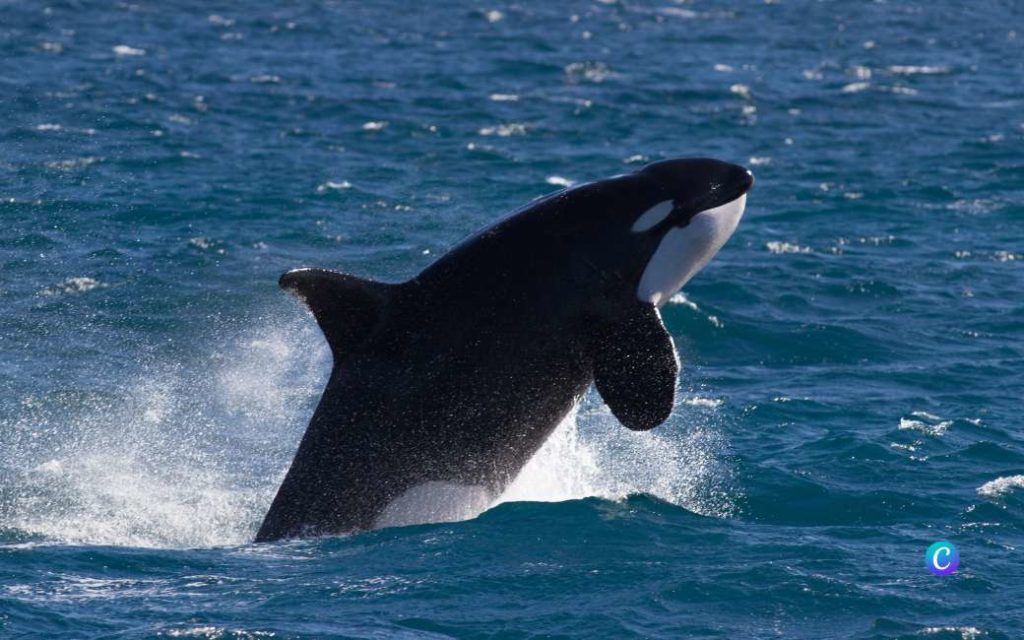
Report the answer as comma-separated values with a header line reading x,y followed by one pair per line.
x,y
853,357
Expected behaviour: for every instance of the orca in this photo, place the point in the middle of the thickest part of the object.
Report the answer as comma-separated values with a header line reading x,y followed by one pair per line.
x,y
444,386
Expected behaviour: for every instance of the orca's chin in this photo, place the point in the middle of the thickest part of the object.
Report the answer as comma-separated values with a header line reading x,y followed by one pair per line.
x,y
683,251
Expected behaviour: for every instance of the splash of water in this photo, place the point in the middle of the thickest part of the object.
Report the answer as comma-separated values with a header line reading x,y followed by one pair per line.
x,y
591,455
178,459
192,456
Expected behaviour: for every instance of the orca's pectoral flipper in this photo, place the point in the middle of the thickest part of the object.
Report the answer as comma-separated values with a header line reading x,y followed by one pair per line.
x,y
346,307
636,368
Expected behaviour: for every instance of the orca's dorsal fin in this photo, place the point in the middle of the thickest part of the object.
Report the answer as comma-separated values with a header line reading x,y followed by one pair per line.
x,y
636,368
347,308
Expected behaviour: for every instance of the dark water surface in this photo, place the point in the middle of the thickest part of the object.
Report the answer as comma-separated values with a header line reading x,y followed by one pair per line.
x,y
853,378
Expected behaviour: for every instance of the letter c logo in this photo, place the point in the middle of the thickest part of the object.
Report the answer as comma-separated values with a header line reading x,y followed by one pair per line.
x,y
942,558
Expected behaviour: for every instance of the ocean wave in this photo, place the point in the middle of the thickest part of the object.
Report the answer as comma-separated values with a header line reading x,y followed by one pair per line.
x,y
926,423
1001,486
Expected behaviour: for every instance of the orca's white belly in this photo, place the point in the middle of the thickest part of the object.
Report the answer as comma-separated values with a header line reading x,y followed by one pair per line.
x,y
435,501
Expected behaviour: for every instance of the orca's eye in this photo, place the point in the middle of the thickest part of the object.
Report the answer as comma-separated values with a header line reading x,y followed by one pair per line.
x,y
653,216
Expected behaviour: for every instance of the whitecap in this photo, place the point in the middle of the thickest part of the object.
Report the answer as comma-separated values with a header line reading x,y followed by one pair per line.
x,y
699,401
504,130
926,423
220,21
331,185
124,51
1000,486
786,247
966,633
741,90
209,631
918,69
679,12
559,181
73,163
206,243
591,71
79,284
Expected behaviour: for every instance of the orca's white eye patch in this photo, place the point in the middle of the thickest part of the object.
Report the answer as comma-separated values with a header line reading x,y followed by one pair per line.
x,y
684,251
650,218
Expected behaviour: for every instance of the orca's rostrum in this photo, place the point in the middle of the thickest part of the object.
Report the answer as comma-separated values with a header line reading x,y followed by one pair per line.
x,y
444,386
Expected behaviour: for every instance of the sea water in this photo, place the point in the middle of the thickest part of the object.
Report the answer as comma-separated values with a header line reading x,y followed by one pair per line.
x,y
851,390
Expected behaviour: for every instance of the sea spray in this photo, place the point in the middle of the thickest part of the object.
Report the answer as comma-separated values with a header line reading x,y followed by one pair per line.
x,y
591,455
186,455
191,454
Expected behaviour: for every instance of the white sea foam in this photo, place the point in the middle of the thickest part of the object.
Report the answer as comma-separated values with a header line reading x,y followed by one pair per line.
x,y
79,284
72,163
966,633
559,181
926,423
504,130
590,71
124,51
209,631
679,12
1000,486
918,69
786,247
741,90
332,185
